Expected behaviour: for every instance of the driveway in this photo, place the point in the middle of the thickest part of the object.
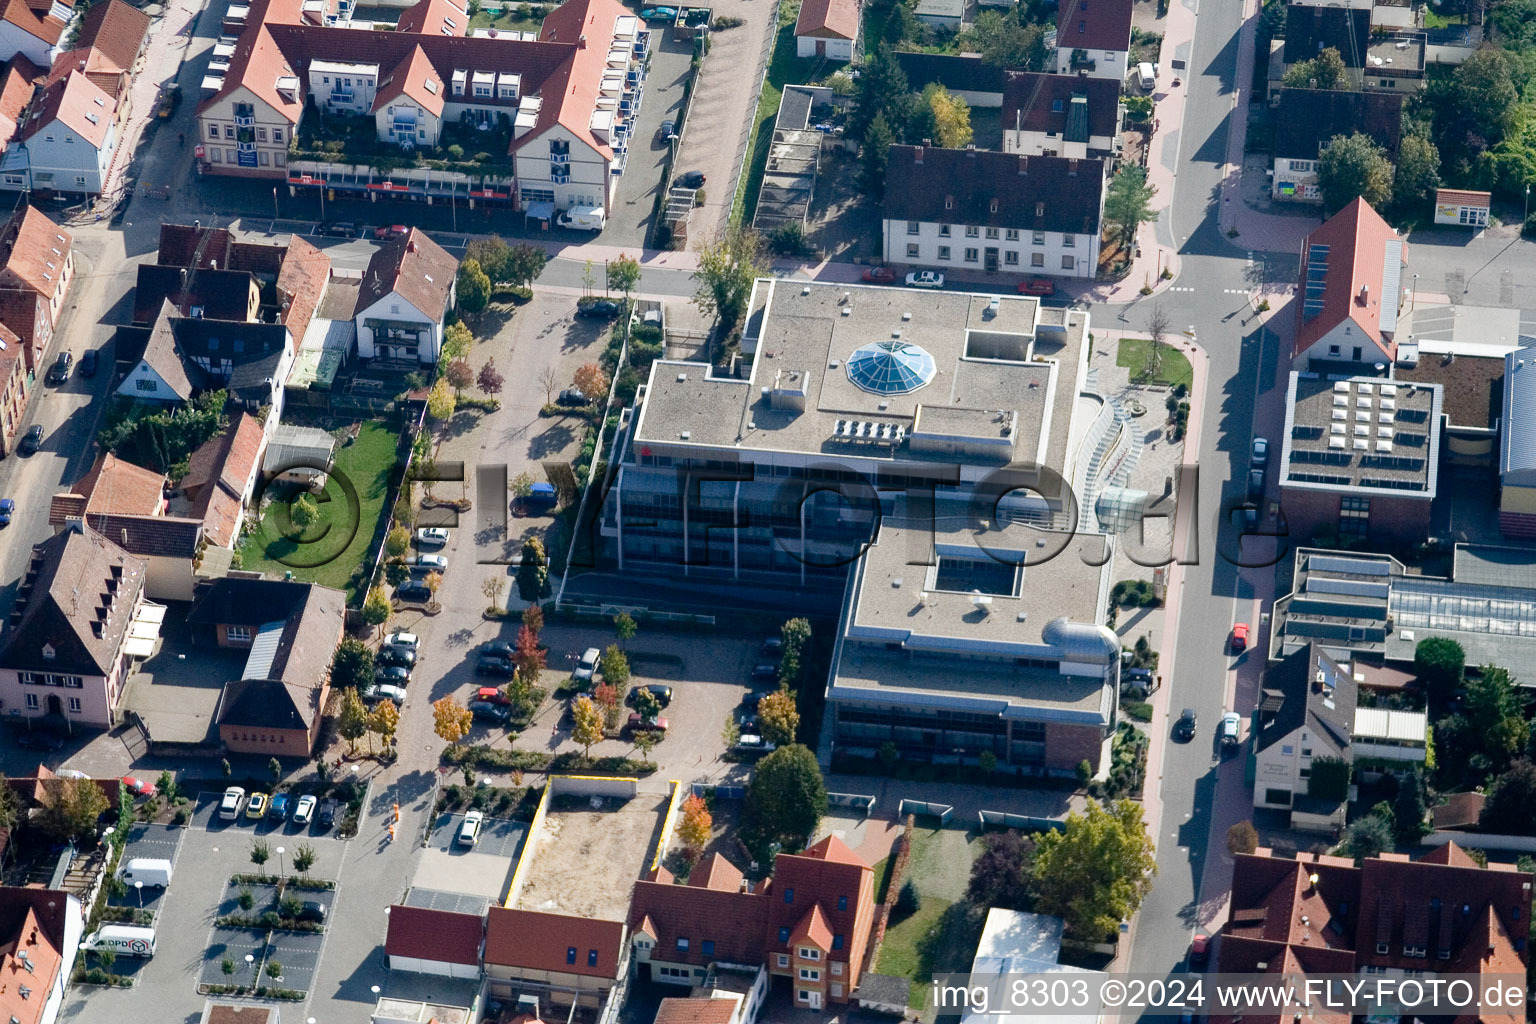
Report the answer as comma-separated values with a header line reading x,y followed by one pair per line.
x,y
630,216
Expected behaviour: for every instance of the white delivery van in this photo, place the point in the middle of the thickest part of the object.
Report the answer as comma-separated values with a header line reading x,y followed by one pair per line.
x,y
581,218
123,939
154,872
1146,76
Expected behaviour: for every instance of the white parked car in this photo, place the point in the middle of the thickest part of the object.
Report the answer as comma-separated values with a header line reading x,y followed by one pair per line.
x,y
432,536
229,806
1231,729
402,640
925,279
469,832
305,810
587,665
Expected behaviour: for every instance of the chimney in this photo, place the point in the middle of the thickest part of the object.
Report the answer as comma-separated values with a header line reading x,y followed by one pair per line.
x,y
1023,166
581,44
970,150
1365,294
917,154
1072,167
410,245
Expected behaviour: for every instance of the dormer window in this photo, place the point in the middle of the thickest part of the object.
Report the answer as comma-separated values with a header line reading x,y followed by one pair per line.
x,y
48,652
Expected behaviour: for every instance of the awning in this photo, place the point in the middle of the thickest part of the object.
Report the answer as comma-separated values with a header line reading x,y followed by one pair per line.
x,y
144,630
541,211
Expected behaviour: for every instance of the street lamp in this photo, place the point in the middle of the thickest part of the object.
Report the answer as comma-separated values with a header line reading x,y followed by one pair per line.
x,y
1413,303
280,852
139,888
1527,207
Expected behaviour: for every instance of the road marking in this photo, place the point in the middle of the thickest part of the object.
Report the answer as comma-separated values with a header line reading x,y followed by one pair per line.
x,y
1177,288
1234,291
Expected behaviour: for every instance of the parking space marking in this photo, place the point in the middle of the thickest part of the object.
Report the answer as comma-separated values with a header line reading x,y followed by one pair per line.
x,y
454,902
499,837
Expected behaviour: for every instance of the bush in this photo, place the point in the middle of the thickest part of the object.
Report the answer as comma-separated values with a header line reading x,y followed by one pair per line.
x,y
907,900
1139,710
725,21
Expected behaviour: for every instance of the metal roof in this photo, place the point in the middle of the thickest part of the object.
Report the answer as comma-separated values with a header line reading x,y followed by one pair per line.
x,y
1381,724
1517,442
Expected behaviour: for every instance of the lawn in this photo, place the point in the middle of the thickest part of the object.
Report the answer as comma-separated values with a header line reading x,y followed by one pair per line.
x,y
512,17
941,936
1432,20
333,547
784,68
1176,370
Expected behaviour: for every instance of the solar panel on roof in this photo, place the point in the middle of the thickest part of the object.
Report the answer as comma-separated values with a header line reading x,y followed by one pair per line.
x,y
1317,280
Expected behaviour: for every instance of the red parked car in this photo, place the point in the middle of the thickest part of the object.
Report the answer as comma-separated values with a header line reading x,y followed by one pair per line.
x,y
1037,286
1240,636
880,275
390,232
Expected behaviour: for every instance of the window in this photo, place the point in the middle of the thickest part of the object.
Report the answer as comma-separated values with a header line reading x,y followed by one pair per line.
x,y
1306,773
1067,263
912,250
263,155
229,131
837,990
971,232
784,934
1011,258
47,138
809,974
591,958
32,701
913,227
992,233
147,384
682,944
842,903
943,230
1413,951
238,633
837,965
1038,238
1068,240
1333,350
1011,235
809,953
707,947
837,942
570,954
74,705
277,135
1277,796
972,255
261,135
230,157
783,959
1354,516
805,996
279,159
213,131
1382,949
215,154
14,179
1037,259
789,895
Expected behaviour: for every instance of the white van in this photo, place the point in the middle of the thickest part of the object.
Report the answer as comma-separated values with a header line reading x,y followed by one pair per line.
x,y
123,939
1146,76
581,218
154,872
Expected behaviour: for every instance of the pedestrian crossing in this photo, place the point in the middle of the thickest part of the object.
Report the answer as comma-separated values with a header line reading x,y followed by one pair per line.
x,y
1178,288
1234,291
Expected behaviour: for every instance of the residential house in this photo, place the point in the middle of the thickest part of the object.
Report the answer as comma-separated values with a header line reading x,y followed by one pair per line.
x,y
40,933
33,29
1360,456
221,477
67,140
1375,57
111,35
301,285
1370,608
946,208
422,940
1015,942
407,291
291,630
572,959
567,139
159,375
827,29
1096,40
299,455
1061,115
37,264
1306,711
702,1009
1318,914
18,81
1517,446
233,295
78,622
14,382
1351,291
1306,120
187,355
964,75
809,923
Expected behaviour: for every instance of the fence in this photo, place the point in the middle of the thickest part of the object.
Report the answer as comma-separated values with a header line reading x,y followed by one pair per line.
x,y
941,811
855,801
606,612
1023,822
721,792
900,852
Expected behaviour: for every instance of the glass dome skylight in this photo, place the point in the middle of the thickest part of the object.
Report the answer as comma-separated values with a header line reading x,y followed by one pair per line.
x,y
890,367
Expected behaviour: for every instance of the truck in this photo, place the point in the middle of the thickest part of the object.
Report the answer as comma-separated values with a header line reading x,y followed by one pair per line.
x,y
581,218
123,939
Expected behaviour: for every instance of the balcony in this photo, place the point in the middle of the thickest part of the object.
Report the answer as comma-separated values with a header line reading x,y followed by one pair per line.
x,y
245,120
342,96
560,176
560,160
246,147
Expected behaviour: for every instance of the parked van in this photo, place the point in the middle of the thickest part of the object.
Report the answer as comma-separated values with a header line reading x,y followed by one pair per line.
x,y
123,939
154,872
542,498
581,218
1146,76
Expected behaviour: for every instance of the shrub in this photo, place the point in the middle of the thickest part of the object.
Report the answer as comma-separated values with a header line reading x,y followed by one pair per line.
x,y
1139,710
246,899
907,900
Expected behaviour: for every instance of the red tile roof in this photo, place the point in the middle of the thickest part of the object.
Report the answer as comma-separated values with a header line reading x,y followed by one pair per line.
x,y
301,284
28,959
414,267
116,31
1356,237
416,80
828,19
715,872
15,93
1460,197
534,940
735,922
40,24
434,17
1102,25
218,473
115,487
813,928
439,935
696,1011
33,252
77,103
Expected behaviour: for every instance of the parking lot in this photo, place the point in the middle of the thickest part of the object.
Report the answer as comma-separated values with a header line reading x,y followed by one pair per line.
x,y
480,871
205,816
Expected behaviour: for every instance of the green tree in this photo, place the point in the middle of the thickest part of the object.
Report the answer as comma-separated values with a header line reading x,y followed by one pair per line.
x,y
491,253
1439,663
397,542
166,786
796,637
1417,175
1354,166
457,341
1369,836
261,852
623,274
1325,71
352,665
1128,202
614,665
1329,779
376,607
303,512
727,268
1511,805
474,287
1409,809
441,402
1495,709
533,573
647,704
1486,94
777,717
70,809
908,902
1095,872
275,769
951,115
624,627
1008,42
883,89
785,800
525,262
875,156
587,723
352,723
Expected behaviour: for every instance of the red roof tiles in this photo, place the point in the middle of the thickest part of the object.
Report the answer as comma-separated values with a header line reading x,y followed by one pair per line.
x,y
828,19
79,105
438,935
696,1011
1356,237
1107,26
33,252
535,940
